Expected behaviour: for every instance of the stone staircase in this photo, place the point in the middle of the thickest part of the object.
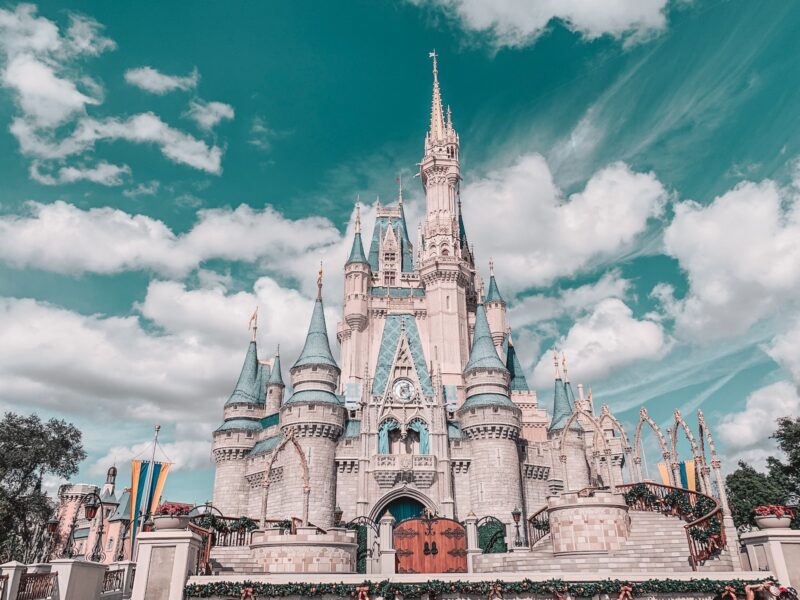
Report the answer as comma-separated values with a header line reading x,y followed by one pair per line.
x,y
656,543
232,559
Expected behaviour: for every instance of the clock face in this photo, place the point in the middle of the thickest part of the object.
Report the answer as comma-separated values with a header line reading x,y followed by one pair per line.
x,y
403,390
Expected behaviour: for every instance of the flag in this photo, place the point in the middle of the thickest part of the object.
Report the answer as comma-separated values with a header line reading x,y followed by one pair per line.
x,y
663,470
144,502
688,475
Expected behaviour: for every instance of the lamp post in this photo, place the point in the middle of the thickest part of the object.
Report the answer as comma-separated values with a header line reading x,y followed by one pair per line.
x,y
516,514
337,516
90,502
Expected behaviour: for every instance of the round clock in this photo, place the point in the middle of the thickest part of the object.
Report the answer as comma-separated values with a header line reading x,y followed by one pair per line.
x,y
403,390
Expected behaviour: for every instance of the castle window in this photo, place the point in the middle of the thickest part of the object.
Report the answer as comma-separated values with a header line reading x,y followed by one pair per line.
x,y
390,278
495,409
312,407
447,302
389,256
249,434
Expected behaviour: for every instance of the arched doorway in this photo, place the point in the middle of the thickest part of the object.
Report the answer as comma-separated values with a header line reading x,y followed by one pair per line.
x,y
402,508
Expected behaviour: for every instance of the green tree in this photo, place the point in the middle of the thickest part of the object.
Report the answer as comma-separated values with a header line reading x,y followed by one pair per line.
x,y
30,450
748,488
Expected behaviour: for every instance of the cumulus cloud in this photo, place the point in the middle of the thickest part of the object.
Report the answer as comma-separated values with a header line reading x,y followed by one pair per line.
x,y
536,235
155,82
102,173
515,23
143,189
185,455
208,114
741,254
785,349
608,338
746,434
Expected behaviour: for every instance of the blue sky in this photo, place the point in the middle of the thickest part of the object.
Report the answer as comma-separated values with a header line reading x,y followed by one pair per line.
x,y
631,167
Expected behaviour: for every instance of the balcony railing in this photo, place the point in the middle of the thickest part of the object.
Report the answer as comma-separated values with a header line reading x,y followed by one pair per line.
x,y
390,469
38,586
113,581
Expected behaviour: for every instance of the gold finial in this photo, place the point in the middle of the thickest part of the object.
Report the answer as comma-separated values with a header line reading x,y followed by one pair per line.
x,y
564,365
555,364
358,215
491,266
319,282
253,324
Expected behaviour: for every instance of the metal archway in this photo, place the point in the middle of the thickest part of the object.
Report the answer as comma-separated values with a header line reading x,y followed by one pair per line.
x,y
644,418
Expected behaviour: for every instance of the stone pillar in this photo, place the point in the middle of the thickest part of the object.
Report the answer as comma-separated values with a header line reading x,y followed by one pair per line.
x,y
776,550
166,559
471,523
78,579
14,570
128,567
388,562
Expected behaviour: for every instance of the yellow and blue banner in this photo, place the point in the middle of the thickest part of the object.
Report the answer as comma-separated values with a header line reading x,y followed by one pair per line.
x,y
663,471
687,473
144,502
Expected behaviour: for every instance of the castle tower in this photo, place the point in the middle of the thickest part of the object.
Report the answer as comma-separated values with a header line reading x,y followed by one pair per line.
x,y
534,420
107,491
237,435
496,310
444,269
574,451
315,415
275,386
357,284
491,421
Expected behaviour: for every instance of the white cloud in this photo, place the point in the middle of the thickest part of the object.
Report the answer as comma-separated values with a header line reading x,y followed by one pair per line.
x,y
536,235
517,23
208,114
746,434
185,455
607,339
143,189
153,81
142,128
62,238
785,349
742,257
102,173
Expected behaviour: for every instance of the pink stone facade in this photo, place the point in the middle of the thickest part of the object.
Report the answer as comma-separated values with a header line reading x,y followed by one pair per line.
x,y
589,525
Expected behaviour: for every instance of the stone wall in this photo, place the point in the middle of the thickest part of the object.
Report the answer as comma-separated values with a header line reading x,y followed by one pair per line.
x,y
308,551
594,524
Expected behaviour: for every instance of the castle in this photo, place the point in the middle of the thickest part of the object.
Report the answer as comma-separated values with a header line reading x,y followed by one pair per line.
x,y
428,411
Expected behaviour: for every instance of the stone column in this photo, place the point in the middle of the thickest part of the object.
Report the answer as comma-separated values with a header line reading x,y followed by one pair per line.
x,y
776,550
14,570
78,579
471,523
166,559
388,562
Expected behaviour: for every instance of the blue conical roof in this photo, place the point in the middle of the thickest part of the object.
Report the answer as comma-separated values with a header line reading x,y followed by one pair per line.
x,y
518,381
570,393
357,251
317,349
275,375
246,390
462,231
562,408
483,353
263,376
494,292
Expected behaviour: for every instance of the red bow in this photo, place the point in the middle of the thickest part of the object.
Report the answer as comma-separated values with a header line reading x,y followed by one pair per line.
x,y
625,593
363,592
728,592
247,593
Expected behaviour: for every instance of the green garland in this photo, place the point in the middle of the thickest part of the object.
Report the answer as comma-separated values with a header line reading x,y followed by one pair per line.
x,y
389,590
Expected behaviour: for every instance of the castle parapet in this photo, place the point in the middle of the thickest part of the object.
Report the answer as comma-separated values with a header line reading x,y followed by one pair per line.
x,y
595,524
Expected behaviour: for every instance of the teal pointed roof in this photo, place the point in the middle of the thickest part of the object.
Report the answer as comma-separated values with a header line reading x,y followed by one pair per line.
x,y
266,445
570,394
494,292
275,375
518,382
357,251
454,431
246,390
462,231
483,353
244,423
123,510
401,232
317,349
392,330
562,408
480,400
315,396
261,385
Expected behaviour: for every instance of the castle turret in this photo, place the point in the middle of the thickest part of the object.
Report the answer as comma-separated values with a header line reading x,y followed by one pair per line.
x,y
315,414
275,386
572,455
237,435
491,421
107,492
495,310
357,283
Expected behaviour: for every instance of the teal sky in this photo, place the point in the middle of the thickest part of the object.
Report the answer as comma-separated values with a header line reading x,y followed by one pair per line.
x,y
633,172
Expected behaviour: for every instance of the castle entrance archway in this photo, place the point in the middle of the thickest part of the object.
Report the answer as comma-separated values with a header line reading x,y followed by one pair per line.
x,y
428,544
403,508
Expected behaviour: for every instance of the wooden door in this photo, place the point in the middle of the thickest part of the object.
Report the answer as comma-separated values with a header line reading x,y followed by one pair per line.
x,y
430,546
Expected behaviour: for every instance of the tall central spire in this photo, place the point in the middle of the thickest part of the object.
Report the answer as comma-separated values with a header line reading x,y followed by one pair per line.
x,y
437,129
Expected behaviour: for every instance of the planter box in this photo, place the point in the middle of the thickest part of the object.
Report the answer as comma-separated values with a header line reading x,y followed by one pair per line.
x,y
773,522
163,522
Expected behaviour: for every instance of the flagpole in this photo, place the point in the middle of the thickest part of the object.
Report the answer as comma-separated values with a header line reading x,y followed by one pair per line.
x,y
149,481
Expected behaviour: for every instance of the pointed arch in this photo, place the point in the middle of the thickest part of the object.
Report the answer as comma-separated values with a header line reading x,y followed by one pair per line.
x,y
598,435
699,459
645,419
716,464
627,449
288,439
400,493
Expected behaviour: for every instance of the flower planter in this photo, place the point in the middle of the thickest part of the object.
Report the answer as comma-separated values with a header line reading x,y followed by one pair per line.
x,y
163,522
773,522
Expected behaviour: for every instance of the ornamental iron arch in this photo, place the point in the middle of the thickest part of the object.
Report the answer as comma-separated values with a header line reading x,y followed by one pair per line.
x,y
627,449
699,459
716,464
598,435
289,438
644,418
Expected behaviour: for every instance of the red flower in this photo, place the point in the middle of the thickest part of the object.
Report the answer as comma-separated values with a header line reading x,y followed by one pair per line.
x,y
774,510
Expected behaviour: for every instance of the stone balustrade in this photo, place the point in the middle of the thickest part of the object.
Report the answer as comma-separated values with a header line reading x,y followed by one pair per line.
x,y
389,469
